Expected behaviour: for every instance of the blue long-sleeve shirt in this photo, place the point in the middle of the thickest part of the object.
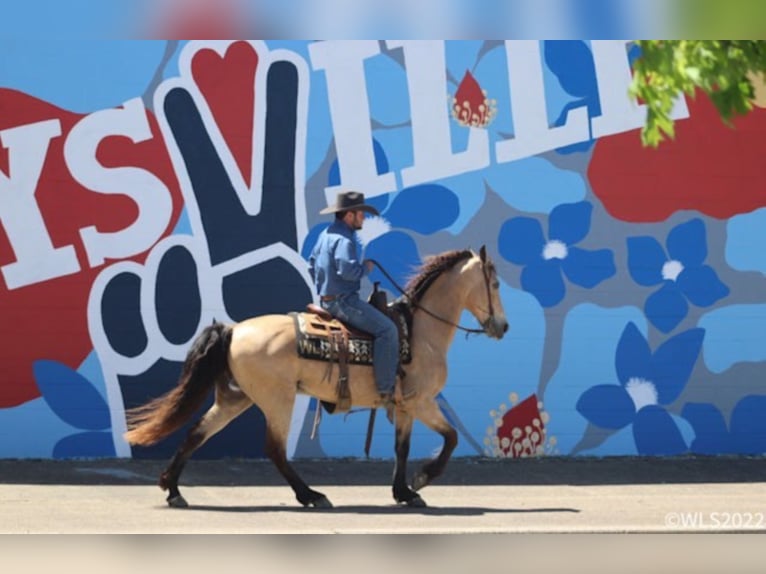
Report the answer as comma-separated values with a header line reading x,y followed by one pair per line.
x,y
334,264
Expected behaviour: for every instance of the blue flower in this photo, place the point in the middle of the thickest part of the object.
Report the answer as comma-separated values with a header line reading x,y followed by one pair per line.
x,y
746,433
648,382
522,242
76,401
681,271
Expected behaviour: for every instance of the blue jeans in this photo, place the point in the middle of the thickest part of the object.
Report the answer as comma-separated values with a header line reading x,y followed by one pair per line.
x,y
363,316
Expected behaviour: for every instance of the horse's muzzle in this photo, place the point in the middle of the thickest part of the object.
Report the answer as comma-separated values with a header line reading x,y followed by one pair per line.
x,y
495,327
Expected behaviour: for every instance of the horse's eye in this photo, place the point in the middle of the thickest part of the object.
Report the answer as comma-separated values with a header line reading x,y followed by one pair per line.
x,y
496,284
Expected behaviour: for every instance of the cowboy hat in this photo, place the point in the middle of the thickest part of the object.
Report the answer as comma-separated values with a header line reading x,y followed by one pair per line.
x,y
349,201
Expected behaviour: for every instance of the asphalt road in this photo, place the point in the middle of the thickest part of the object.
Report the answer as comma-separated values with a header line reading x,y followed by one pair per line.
x,y
474,496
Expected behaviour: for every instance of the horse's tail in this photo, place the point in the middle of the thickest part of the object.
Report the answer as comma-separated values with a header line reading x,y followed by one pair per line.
x,y
206,362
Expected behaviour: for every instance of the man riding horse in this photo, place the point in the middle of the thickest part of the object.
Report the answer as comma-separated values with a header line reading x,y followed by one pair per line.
x,y
336,270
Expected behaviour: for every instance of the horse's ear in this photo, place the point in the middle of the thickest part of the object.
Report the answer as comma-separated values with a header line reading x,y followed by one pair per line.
x,y
483,253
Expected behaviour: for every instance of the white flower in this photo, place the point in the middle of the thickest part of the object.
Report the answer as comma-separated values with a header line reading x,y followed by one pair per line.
x,y
643,392
672,269
555,249
374,226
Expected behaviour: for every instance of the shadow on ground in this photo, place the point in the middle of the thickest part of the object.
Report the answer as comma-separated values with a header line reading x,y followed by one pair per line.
x,y
393,509
460,471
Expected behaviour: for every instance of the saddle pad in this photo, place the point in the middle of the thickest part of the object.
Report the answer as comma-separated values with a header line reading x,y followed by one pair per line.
x,y
312,335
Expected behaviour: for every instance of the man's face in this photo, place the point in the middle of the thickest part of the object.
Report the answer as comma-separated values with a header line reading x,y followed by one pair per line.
x,y
355,219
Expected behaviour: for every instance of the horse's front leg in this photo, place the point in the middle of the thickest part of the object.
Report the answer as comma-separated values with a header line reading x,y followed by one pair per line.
x,y
431,415
402,492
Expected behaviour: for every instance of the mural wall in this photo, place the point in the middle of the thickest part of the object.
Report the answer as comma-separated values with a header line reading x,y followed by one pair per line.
x,y
147,188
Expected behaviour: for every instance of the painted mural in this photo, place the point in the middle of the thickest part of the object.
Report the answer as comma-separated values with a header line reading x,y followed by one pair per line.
x,y
149,187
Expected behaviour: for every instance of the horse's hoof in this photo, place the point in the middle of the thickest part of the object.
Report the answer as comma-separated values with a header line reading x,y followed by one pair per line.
x,y
419,480
416,502
322,502
177,502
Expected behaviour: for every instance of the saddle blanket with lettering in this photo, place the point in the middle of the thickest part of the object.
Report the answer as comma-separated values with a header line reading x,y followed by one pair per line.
x,y
313,335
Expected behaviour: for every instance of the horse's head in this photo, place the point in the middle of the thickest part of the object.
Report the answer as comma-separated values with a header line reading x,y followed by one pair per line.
x,y
483,299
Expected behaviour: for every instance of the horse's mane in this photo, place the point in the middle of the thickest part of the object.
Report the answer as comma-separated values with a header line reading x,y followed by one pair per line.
x,y
432,267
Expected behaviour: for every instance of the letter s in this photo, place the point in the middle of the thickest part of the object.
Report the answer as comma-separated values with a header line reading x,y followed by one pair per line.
x,y
152,197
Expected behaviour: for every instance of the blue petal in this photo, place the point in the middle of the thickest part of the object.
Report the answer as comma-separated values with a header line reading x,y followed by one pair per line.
x,y
588,268
645,260
379,202
712,436
398,254
687,243
381,161
701,285
742,233
578,147
85,445
673,363
572,63
606,406
633,356
424,208
333,175
543,280
521,240
748,425
666,308
570,222
71,396
656,433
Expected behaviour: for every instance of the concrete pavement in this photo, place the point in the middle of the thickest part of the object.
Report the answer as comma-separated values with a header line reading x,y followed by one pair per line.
x,y
551,495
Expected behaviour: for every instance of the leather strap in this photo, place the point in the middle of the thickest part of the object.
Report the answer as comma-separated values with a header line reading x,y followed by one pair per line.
x,y
340,343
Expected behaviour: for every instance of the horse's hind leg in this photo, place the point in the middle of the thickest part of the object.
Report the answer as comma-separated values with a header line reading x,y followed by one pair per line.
x,y
278,416
229,404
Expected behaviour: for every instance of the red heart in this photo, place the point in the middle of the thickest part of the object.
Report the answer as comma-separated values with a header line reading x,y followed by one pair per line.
x,y
48,320
228,85
709,167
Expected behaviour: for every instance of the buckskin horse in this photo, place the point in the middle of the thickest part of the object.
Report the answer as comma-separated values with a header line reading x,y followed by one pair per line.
x,y
256,362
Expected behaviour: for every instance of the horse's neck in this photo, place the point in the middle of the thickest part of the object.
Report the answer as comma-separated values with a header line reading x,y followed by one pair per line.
x,y
445,302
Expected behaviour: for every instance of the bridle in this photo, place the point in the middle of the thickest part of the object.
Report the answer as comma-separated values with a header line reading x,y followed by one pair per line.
x,y
468,330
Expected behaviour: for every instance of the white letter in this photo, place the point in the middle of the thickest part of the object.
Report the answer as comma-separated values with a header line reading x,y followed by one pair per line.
x,y
532,133
153,198
619,112
343,63
36,258
431,138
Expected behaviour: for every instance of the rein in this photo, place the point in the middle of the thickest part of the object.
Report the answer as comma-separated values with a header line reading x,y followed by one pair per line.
x,y
416,305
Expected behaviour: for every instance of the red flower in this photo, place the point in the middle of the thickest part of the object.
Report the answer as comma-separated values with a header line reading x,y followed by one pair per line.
x,y
470,106
522,432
